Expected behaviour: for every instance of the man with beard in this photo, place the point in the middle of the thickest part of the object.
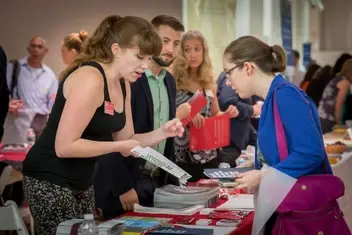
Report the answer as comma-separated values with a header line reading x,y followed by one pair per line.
x,y
133,180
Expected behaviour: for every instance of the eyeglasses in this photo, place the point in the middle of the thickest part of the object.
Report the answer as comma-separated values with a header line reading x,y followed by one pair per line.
x,y
228,73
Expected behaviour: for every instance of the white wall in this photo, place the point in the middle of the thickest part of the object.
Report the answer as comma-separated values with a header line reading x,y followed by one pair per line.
x,y
53,20
331,31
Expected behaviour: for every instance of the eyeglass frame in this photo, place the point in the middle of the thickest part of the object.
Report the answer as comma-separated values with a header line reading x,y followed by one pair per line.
x,y
229,72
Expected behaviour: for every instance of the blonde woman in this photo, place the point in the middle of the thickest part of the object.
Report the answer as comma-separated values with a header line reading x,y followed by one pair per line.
x,y
71,46
192,70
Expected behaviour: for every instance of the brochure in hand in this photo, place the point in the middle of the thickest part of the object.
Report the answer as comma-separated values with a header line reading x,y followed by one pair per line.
x,y
215,133
225,173
161,161
197,102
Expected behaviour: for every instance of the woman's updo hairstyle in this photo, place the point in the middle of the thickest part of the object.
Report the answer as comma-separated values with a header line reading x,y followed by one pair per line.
x,y
74,41
270,59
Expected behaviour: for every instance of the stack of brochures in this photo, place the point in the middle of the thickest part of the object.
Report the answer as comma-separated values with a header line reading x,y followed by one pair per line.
x,y
171,194
185,231
111,227
169,210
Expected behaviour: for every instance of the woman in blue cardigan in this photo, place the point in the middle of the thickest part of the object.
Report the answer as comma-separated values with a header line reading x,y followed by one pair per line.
x,y
253,68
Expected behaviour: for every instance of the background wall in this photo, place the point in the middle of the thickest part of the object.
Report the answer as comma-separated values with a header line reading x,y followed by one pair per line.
x,y
55,19
332,31
215,19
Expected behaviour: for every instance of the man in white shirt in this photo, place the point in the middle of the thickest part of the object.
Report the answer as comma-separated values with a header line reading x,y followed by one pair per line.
x,y
32,85
299,71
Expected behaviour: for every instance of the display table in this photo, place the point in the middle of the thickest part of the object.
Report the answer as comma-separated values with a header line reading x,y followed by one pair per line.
x,y
342,169
14,159
244,229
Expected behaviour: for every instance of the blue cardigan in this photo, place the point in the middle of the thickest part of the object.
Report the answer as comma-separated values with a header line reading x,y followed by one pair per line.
x,y
303,133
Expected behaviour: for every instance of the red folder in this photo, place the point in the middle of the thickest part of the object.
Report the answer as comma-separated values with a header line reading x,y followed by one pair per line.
x,y
197,102
215,133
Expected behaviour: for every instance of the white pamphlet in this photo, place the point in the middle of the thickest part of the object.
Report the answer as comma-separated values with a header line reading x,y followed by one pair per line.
x,y
161,161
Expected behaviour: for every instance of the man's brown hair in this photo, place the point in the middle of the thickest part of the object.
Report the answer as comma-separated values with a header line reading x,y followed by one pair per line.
x,y
170,21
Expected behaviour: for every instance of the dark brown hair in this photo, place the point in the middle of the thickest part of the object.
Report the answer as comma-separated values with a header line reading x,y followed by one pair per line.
x,y
170,21
74,41
270,59
296,54
346,70
128,32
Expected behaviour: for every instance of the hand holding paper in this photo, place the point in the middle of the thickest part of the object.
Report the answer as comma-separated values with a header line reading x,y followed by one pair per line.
x,y
215,133
173,128
183,111
232,111
249,180
197,102
198,121
127,146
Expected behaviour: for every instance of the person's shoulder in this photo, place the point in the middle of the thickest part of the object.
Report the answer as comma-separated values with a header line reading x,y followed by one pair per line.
x,y
289,90
169,75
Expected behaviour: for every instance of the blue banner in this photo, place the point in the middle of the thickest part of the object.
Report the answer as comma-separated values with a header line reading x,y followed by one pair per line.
x,y
286,29
307,48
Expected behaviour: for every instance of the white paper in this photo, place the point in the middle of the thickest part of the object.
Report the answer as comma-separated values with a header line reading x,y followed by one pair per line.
x,y
274,187
161,161
218,230
167,211
239,202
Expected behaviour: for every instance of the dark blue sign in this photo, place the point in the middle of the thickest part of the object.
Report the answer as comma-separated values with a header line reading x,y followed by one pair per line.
x,y
307,47
286,29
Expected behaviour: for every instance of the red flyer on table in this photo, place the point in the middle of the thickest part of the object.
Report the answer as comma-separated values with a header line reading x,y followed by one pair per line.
x,y
197,102
215,133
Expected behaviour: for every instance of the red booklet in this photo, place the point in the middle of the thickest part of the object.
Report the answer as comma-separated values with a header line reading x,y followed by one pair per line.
x,y
215,133
197,102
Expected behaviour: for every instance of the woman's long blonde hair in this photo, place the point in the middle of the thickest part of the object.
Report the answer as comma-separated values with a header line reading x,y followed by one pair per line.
x,y
181,69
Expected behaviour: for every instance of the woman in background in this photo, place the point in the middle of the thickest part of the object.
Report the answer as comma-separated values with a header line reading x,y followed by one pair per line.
x,y
333,99
192,70
71,46
308,77
316,87
254,68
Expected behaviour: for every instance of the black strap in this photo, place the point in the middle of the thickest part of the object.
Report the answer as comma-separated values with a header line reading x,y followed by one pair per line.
x,y
106,90
14,79
101,70
123,87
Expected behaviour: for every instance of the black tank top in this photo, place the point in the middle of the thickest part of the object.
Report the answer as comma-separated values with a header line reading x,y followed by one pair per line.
x,y
42,162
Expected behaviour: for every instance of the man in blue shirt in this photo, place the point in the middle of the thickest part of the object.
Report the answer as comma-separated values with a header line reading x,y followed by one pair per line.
x,y
242,131
35,84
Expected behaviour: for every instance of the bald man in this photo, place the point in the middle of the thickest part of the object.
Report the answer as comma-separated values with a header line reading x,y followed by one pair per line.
x,y
32,85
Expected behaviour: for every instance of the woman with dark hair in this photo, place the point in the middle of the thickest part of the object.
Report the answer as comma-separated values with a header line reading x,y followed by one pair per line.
x,y
308,77
320,79
91,117
333,99
339,63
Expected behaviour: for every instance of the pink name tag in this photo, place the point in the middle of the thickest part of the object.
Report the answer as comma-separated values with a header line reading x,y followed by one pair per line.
x,y
109,108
